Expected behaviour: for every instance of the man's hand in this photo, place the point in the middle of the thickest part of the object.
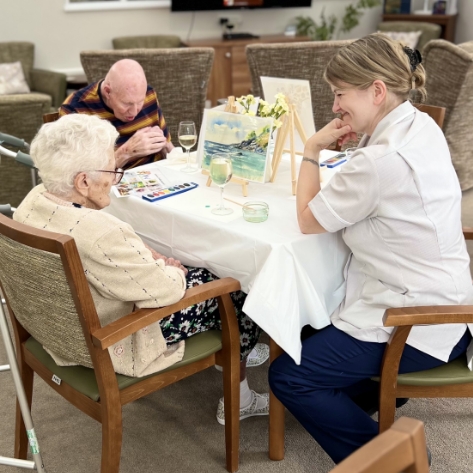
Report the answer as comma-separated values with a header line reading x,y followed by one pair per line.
x,y
149,140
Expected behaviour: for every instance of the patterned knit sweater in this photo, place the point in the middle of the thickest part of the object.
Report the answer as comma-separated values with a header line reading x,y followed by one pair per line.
x,y
121,272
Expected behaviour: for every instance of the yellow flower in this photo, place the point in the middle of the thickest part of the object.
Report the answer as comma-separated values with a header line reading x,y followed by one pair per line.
x,y
280,96
250,113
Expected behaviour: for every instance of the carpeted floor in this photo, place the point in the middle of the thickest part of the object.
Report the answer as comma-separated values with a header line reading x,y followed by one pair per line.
x,y
175,431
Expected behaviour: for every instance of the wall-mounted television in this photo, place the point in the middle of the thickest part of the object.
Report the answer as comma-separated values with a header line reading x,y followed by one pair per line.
x,y
193,5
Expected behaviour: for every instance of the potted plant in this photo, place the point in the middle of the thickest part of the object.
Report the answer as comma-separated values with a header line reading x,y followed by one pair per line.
x,y
306,26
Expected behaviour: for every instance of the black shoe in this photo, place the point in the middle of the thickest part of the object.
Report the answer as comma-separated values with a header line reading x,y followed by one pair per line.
x,y
373,408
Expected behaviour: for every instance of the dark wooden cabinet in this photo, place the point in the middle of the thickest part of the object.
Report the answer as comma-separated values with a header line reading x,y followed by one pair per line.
x,y
447,22
230,73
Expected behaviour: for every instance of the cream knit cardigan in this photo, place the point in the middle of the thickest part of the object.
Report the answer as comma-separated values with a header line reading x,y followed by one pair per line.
x,y
121,273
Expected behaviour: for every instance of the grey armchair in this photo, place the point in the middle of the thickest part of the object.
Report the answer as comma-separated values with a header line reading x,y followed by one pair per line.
x,y
21,114
148,42
449,84
179,75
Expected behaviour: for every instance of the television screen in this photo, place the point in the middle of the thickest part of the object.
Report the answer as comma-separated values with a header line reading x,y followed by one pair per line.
x,y
192,5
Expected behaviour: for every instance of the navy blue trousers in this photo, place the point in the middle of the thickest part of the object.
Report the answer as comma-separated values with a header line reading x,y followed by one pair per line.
x,y
335,371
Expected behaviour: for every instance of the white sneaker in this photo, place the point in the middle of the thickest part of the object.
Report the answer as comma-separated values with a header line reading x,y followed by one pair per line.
x,y
259,406
257,356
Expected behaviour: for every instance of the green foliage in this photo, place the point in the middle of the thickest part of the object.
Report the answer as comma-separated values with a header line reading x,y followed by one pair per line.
x,y
306,26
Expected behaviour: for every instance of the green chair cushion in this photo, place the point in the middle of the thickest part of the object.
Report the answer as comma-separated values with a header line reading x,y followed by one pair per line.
x,y
83,379
455,372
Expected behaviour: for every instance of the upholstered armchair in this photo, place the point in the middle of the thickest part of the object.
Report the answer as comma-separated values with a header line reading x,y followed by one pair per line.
x,y
306,60
449,84
21,114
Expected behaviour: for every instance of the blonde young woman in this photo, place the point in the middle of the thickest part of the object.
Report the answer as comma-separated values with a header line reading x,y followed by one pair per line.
x,y
397,202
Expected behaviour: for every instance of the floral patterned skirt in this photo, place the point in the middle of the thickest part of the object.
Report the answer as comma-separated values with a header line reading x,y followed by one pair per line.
x,y
205,316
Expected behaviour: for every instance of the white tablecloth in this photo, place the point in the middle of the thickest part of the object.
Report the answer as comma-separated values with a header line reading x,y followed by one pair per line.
x,y
291,279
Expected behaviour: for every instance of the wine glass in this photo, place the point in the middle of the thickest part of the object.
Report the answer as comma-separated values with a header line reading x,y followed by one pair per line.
x,y
187,138
221,172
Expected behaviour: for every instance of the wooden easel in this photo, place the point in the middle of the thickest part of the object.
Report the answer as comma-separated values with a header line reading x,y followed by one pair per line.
x,y
232,108
290,123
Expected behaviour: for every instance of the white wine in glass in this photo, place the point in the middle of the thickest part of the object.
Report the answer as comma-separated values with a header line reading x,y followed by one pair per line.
x,y
221,172
187,138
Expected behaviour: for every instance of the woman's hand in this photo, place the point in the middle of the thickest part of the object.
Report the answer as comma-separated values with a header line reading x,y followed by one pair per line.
x,y
167,261
336,130
176,263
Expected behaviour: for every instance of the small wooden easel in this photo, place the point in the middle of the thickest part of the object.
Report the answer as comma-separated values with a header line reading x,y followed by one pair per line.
x,y
232,108
290,123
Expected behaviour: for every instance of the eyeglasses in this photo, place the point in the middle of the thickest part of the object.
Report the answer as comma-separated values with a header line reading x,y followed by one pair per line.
x,y
118,175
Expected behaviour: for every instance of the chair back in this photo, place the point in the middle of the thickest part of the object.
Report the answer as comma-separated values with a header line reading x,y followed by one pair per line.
x,y
401,448
148,41
436,113
50,117
179,76
43,282
22,51
449,71
296,61
429,31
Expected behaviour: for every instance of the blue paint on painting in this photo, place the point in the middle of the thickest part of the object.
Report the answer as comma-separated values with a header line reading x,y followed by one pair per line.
x,y
246,164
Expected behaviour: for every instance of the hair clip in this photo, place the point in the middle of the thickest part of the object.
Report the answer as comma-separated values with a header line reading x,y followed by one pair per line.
x,y
415,57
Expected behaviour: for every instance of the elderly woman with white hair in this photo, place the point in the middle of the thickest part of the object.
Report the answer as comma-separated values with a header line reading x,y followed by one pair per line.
x,y
76,162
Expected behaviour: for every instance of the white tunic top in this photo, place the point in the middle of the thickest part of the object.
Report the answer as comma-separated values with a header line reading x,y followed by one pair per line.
x,y
398,202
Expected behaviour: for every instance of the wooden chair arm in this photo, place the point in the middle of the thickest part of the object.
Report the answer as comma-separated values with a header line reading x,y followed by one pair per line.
x,y
400,448
403,319
468,233
428,315
131,323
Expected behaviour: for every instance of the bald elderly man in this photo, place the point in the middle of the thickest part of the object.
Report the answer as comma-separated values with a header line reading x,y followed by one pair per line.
x,y
131,106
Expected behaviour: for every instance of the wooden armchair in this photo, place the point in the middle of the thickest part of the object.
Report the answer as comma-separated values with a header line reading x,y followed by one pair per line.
x,y
400,449
50,304
450,380
453,379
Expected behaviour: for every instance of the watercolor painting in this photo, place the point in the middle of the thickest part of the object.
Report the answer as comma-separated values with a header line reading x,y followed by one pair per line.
x,y
245,138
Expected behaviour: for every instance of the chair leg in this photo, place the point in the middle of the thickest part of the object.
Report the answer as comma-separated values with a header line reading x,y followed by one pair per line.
x,y
387,408
231,395
276,415
112,434
21,439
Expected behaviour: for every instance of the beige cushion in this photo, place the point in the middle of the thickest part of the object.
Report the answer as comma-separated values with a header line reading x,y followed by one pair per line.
x,y
12,79
408,38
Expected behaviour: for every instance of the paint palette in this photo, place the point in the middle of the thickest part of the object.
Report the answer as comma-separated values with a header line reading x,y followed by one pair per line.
x,y
169,191
335,160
